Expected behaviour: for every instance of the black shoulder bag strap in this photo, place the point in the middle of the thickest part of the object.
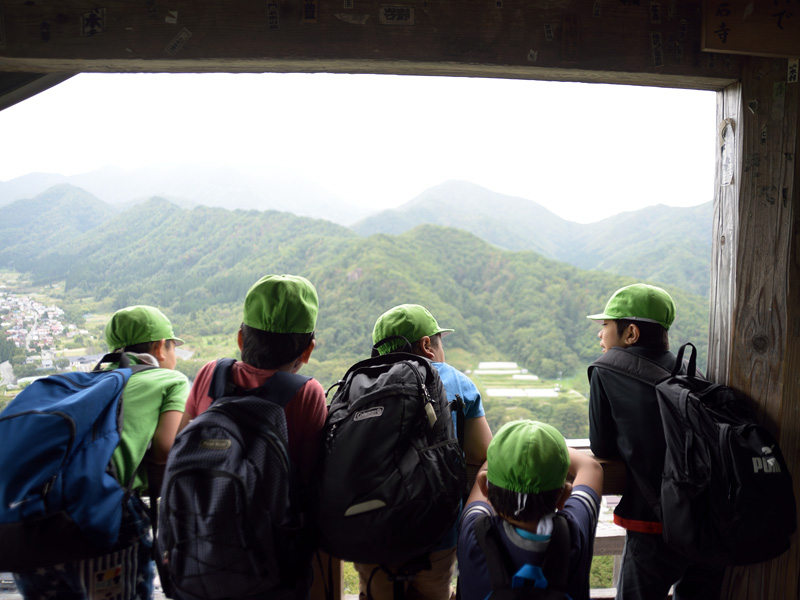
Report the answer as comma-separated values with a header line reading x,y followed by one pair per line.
x,y
279,389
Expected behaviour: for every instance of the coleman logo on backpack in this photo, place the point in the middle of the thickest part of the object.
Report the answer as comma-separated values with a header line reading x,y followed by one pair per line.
x,y
368,414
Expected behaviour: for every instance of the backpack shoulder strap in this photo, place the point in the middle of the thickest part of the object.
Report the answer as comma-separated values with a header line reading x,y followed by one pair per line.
x,y
497,560
280,388
636,366
556,562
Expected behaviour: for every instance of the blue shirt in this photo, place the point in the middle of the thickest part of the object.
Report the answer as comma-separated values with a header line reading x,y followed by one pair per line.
x,y
456,383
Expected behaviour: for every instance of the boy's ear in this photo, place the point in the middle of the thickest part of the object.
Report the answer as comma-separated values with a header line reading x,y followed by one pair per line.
x,y
239,339
307,352
426,347
631,335
158,350
566,492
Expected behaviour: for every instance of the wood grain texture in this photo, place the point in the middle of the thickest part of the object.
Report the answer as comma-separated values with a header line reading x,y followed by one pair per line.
x,y
765,334
570,40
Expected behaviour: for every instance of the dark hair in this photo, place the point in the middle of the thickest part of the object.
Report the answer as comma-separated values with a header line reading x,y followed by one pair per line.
x,y
268,350
536,505
651,335
145,347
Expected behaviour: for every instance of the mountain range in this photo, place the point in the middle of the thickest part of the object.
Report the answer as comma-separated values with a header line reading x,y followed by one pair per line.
x,y
668,245
197,264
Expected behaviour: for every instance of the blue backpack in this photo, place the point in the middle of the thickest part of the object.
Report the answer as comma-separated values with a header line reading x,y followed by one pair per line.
x,y
60,500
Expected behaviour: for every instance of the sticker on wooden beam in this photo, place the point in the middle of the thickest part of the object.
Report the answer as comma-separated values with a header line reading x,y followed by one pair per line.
x,y
727,144
171,18
548,32
178,42
791,71
93,22
152,10
597,9
533,55
755,28
396,15
348,4
273,16
353,19
655,13
657,48
672,10
310,11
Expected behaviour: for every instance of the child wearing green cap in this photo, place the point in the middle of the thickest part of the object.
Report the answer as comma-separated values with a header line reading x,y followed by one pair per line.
x,y
419,327
276,334
625,424
152,408
520,488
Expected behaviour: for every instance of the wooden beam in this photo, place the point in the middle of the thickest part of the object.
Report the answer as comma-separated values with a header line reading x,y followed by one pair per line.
x,y
638,43
758,300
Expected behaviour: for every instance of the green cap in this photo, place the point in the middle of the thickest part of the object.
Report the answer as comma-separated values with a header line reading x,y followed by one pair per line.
x,y
639,302
412,321
138,324
528,457
281,304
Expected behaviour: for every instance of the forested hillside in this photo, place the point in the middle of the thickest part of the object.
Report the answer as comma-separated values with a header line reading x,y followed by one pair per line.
x,y
663,244
197,265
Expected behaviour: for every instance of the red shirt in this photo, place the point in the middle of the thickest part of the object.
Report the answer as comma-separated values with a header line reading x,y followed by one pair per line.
x,y
305,413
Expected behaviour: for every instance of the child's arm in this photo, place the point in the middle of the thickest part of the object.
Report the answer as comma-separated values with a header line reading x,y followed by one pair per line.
x,y
480,490
164,437
586,470
477,436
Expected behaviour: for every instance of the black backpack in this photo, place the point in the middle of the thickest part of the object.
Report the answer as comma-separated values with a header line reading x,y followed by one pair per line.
x,y
554,568
726,496
392,473
231,519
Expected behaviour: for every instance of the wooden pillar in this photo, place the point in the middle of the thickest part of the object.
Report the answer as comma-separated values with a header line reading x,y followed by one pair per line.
x,y
755,311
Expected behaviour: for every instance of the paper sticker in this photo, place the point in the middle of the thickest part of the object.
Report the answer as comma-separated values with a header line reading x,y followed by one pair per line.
x,y
658,49
353,19
93,22
396,15
791,73
273,16
348,4
533,55
178,42
596,9
727,141
548,32
655,12
172,17
309,11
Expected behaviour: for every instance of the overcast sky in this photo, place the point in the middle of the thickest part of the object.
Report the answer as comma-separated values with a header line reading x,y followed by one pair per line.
x,y
584,151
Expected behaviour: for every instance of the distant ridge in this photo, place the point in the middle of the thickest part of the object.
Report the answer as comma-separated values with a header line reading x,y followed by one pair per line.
x,y
658,243
189,186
